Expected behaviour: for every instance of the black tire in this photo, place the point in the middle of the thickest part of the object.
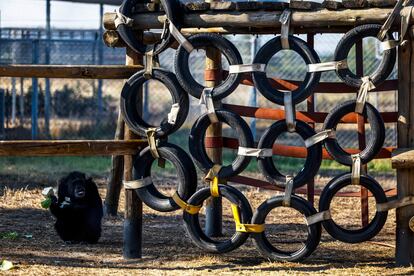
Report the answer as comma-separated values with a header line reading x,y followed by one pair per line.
x,y
198,149
182,69
171,8
344,47
130,96
265,54
313,159
358,235
196,233
374,143
186,175
267,249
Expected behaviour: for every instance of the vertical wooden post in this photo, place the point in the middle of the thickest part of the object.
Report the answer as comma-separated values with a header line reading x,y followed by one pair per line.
x,y
2,113
359,56
117,168
214,207
404,253
311,109
133,205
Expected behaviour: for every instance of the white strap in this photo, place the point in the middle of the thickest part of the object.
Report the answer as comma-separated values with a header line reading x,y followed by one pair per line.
x,y
397,203
284,32
206,99
246,68
288,191
405,22
327,66
49,191
121,19
289,111
138,183
255,152
319,137
362,96
387,25
318,217
180,38
356,169
172,116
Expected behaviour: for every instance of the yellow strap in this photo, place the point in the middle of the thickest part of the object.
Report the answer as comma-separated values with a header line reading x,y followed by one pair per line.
x,y
214,188
248,228
213,172
152,142
191,209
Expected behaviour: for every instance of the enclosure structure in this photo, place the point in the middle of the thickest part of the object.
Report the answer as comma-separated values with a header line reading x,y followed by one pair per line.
x,y
244,18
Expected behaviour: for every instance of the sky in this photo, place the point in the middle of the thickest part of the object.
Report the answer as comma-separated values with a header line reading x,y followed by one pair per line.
x,y
32,13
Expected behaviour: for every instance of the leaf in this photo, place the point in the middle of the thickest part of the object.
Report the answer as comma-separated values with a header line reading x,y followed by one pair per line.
x,y
9,235
46,203
6,265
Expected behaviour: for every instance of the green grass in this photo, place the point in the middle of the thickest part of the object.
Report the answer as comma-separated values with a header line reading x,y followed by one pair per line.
x,y
59,166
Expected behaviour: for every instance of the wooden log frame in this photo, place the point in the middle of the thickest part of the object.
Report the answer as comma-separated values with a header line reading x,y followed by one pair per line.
x,y
301,21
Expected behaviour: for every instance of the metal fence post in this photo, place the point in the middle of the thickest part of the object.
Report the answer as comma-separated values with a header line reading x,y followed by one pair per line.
x,y
35,91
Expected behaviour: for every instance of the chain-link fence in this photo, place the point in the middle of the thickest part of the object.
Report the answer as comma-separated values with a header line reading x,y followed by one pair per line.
x,y
75,109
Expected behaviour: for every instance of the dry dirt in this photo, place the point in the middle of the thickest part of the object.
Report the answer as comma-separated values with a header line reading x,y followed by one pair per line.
x,y
167,250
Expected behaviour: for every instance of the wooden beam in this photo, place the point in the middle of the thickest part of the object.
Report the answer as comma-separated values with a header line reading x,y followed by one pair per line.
x,y
402,158
69,71
70,147
262,19
404,252
133,205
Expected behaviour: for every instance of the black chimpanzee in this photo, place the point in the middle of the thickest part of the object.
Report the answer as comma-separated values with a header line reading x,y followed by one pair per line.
x,y
78,209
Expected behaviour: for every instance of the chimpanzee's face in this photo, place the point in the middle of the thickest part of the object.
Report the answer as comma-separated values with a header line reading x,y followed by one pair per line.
x,y
75,186
79,188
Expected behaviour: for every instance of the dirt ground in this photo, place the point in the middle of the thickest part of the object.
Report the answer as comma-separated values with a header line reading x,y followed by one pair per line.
x,y
167,250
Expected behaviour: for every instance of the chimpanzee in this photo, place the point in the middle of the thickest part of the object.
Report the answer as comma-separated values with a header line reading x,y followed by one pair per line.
x,y
78,209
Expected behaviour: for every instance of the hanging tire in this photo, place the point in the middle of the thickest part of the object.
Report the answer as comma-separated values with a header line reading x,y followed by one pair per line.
x,y
349,40
275,254
198,150
171,8
375,141
265,54
313,159
130,96
186,177
357,235
196,233
202,41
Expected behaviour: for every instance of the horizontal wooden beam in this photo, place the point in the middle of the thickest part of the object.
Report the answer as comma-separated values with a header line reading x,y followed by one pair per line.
x,y
262,19
402,158
71,147
69,71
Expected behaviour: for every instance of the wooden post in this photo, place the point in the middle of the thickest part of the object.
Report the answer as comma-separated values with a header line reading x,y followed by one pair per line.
x,y
115,182
2,113
359,56
214,206
404,253
133,205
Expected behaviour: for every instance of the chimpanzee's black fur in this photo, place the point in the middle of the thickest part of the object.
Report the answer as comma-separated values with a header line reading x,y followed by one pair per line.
x,y
78,219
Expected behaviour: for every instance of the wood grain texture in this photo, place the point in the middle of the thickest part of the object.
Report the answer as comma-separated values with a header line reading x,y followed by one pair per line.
x,y
133,205
69,71
262,19
70,147
404,253
403,158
